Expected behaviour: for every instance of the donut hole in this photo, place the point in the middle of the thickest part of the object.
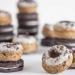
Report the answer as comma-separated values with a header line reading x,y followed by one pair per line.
x,y
54,54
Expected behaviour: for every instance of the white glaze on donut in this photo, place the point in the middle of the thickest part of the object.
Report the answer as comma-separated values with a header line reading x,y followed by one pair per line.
x,y
10,47
26,39
64,55
65,25
26,4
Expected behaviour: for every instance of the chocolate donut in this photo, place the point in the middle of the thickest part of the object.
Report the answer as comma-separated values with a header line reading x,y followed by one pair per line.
x,y
6,33
28,27
28,31
27,17
48,42
11,66
4,29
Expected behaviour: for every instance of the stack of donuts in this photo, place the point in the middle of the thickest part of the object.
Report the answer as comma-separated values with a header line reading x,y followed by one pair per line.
x,y
27,17
48,32
10,57
62,33
6,29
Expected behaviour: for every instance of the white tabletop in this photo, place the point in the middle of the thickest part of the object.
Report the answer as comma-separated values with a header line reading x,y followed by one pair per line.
x,y
32,66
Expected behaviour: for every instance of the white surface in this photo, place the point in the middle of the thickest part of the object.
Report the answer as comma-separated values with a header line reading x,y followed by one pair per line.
x,y
33,66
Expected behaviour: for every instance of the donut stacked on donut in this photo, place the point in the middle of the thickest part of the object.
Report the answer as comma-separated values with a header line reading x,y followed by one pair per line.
x,y
6,29
27,17
49,35
57,59
29,44
65,31
10,57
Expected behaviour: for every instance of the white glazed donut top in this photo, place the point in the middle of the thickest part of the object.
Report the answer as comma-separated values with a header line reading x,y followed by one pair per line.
x,y
63,55
4,14
50,27
10,47
24,3
65,25
26,39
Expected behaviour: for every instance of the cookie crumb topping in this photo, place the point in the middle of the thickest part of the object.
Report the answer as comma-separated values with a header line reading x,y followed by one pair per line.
x,y
57,55
8,47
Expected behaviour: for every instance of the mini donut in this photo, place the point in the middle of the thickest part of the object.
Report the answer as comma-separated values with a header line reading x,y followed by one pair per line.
x,y
48,31
65,29
10,51
48,42
29,43
57,59
26,6
11,66
5,18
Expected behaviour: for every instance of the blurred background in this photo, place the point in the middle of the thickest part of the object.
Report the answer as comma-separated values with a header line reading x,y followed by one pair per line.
x,y
50,11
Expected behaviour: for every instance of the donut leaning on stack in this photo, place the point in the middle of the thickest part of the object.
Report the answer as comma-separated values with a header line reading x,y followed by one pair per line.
x,y
49,35
57,59
27,17
6,29
28,43
65,31
10,57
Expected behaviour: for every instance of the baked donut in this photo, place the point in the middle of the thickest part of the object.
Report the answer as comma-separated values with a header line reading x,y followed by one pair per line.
x,y
65,29
10,51
48,31
27,6
10,57
5,18
57,59
29,43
